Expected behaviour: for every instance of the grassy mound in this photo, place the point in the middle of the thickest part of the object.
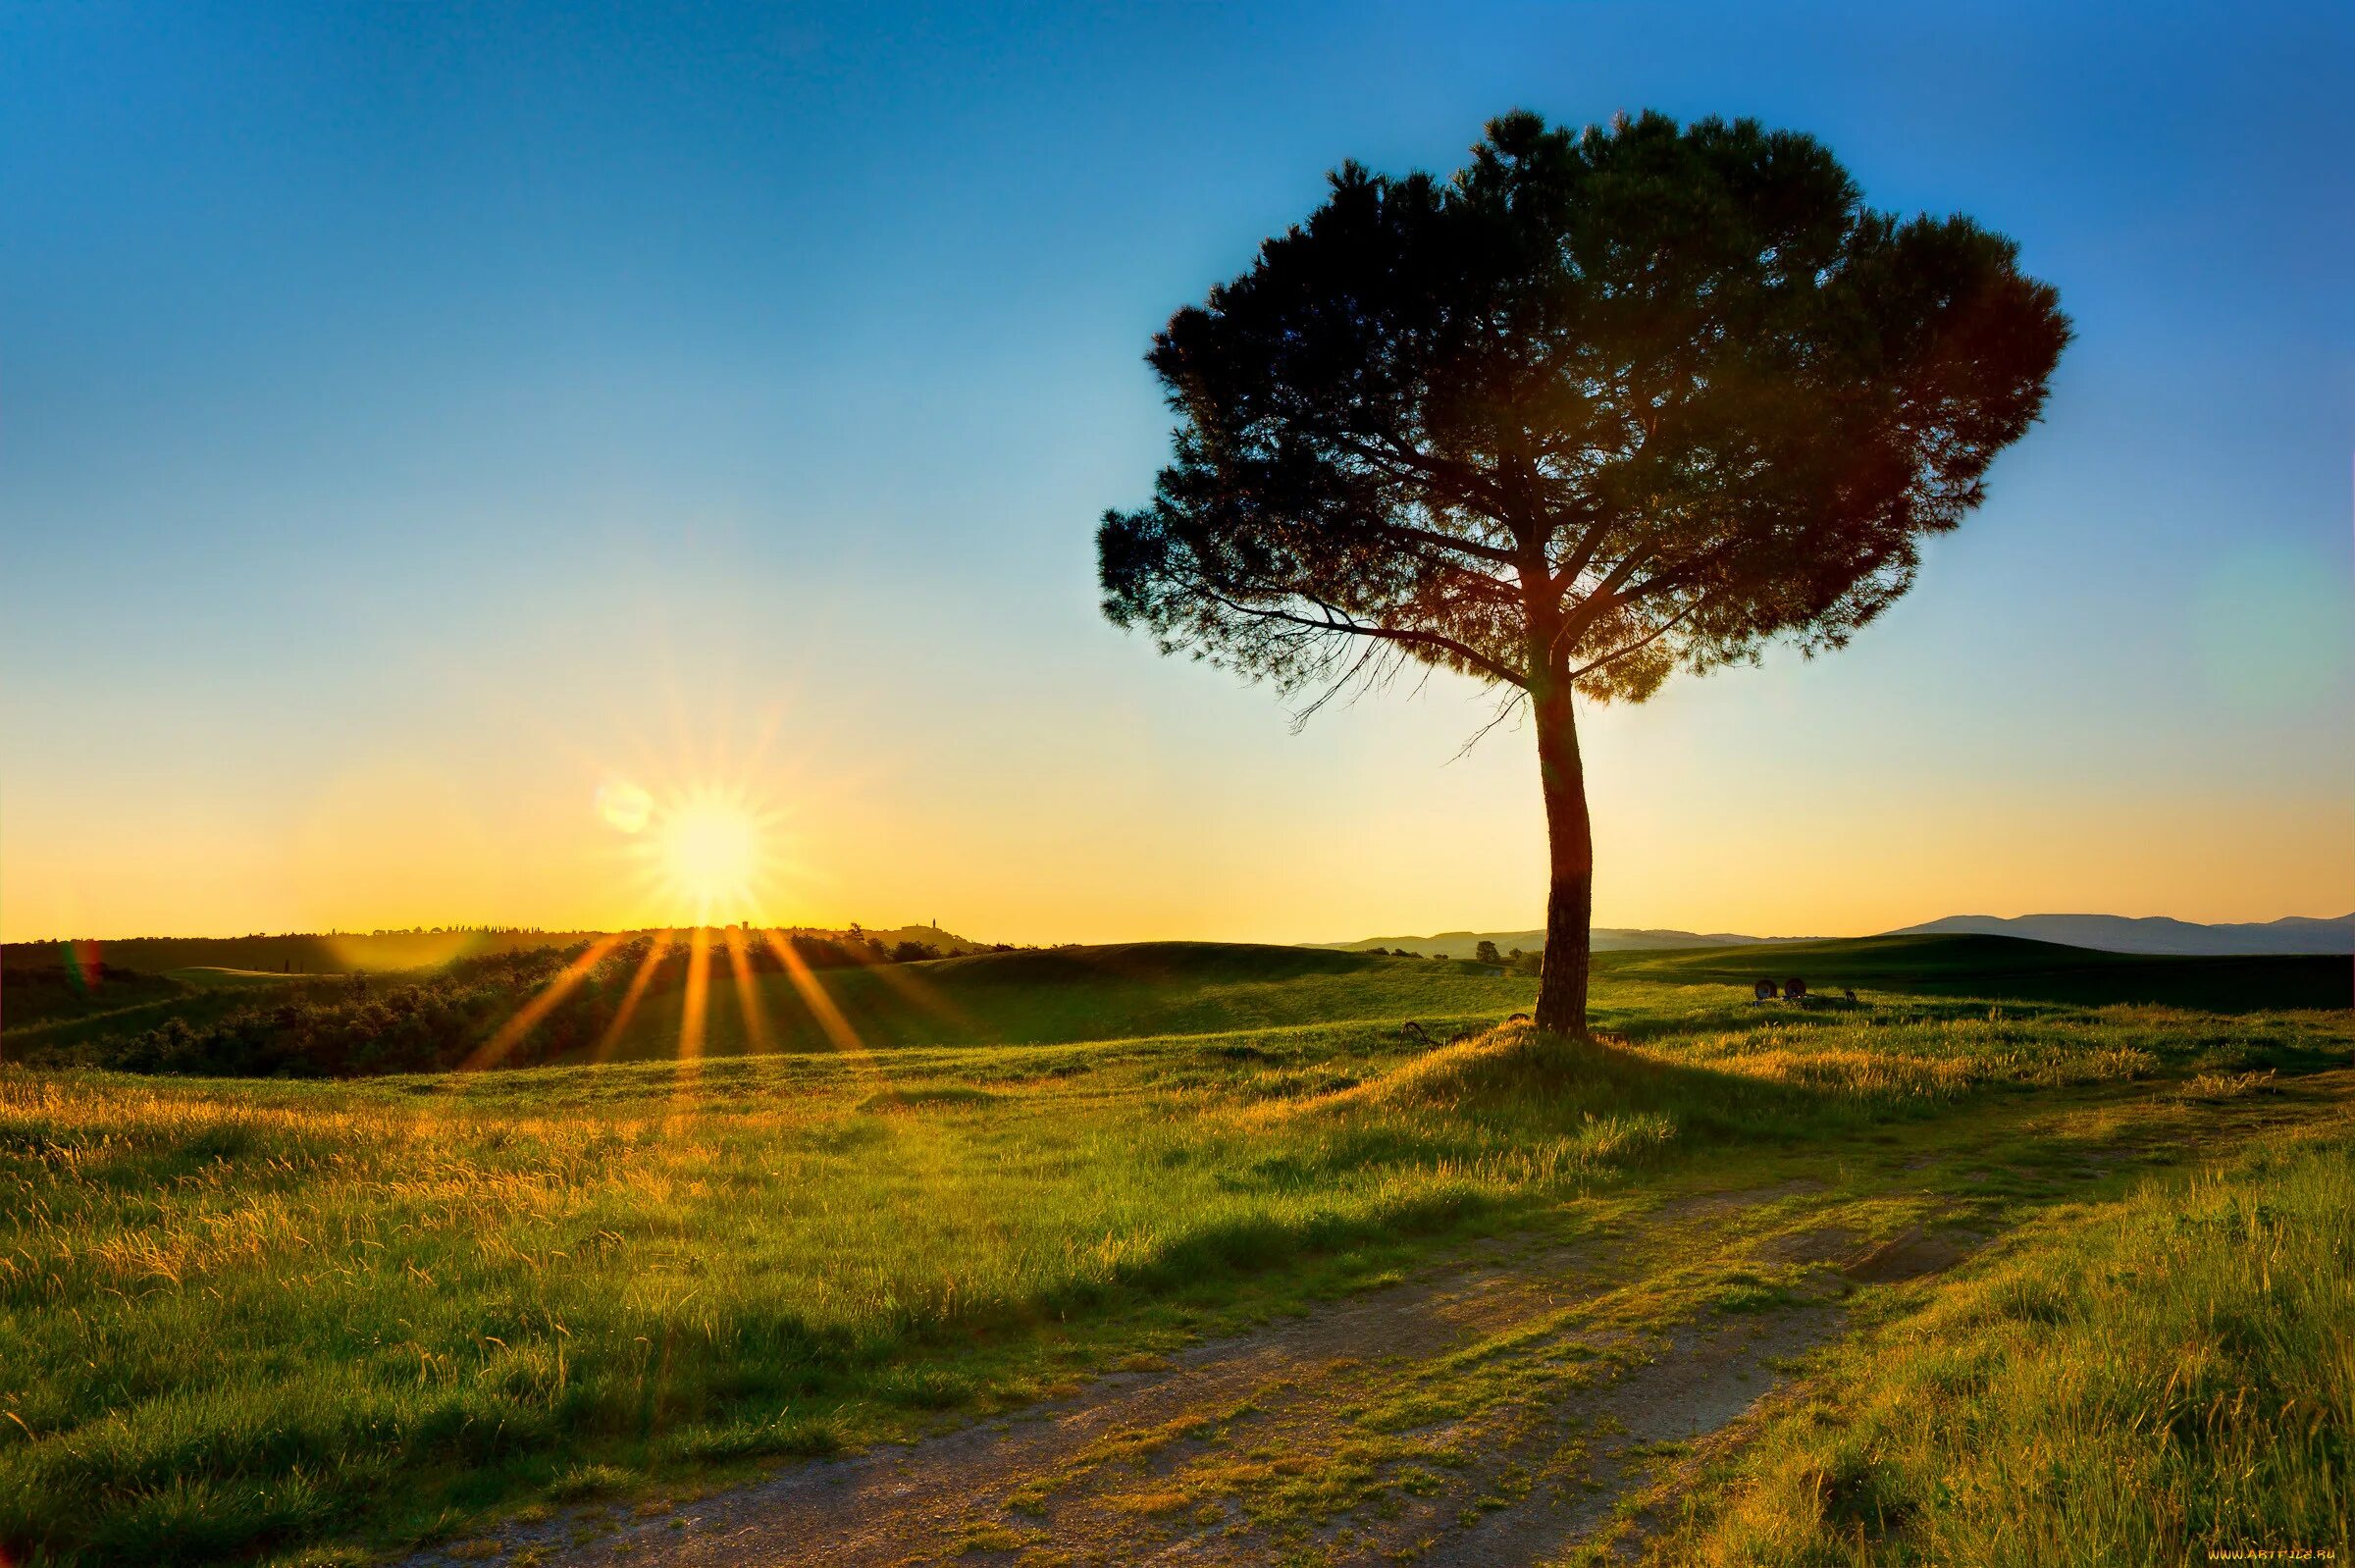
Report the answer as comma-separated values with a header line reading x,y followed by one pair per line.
x,y
1514,1069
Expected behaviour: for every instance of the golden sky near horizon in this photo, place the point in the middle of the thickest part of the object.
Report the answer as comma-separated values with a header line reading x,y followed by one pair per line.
x,y
1170,803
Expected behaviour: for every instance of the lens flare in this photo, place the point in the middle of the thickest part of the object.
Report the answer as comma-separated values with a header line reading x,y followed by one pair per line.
x,y
624,806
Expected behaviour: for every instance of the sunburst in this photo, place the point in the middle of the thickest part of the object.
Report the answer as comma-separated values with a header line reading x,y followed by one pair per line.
x,y
707,853
713,865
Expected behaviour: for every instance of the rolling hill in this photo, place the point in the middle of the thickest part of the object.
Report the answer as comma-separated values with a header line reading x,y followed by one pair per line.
x,y
2001,968
2105,933
1053,995
1049,995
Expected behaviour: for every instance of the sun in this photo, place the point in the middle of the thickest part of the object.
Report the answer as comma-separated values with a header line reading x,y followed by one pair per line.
x,y
707,855
711,853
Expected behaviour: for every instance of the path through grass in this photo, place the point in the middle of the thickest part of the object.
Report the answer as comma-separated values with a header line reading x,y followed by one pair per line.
x,y
2165,1377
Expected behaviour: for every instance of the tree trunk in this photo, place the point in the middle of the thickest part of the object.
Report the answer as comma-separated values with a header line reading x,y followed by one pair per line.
x,y
1570,844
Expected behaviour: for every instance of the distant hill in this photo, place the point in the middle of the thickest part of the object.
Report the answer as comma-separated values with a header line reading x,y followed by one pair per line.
x,y
2005,967
2103,933
2119,934
1606,939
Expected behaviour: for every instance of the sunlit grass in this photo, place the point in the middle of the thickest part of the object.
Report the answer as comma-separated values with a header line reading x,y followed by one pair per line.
x,y
2157,1380
242,1316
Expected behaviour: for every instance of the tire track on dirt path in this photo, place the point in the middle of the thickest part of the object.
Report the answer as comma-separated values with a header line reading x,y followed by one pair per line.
x,y
1481,1413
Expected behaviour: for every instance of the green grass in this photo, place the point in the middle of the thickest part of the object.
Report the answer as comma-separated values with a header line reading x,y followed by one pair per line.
x,y
240,1319
2163,1379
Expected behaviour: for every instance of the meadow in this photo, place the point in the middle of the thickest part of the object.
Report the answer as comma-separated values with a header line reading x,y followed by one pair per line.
x,y
315,1321
2168,1377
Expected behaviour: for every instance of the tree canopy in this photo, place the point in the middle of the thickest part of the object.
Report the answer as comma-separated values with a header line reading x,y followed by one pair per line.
x,y
1617,401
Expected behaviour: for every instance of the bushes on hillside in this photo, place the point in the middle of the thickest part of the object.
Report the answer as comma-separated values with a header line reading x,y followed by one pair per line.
x,y
74,990
364,1027
440,1019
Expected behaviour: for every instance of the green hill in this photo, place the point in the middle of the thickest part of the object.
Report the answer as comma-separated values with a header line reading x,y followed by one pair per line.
x,y
1045,995
1051,995
1147,963
2003,966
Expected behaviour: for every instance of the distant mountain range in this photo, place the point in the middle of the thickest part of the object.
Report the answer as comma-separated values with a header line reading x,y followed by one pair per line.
x,y
2120,933
2108,933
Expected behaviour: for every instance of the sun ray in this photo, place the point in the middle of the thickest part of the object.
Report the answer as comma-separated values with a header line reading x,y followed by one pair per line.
x,y
502,1040
748,993
694,1010
630,999
839,1031
814,996
914,988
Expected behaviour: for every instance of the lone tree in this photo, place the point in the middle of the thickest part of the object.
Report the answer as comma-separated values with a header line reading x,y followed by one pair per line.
x,y
1603,405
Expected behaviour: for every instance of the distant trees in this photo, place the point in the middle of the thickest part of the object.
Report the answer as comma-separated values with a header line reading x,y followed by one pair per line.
x,y
1604,405
1486,952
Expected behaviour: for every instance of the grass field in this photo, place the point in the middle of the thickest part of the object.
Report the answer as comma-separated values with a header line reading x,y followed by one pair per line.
x,y
2166,1378
307,1321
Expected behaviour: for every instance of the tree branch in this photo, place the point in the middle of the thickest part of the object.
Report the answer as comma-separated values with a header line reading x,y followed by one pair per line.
x,y
1680,575
1640,643
1504,710
1341,624
1464,484
1603,599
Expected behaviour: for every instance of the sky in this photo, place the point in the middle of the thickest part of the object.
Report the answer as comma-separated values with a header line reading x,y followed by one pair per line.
x,y
424,427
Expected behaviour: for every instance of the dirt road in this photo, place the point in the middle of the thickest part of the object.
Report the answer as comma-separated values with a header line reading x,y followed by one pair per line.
x,y
1495,1410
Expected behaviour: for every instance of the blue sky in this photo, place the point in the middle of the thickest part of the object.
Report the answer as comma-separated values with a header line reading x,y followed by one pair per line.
x,y
408,415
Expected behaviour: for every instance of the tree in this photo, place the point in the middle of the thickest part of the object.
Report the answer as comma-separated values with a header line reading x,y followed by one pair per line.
x,y
1486,952
1601,407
